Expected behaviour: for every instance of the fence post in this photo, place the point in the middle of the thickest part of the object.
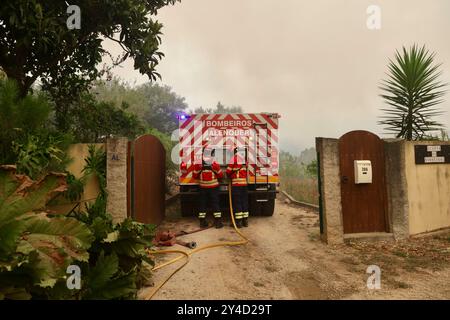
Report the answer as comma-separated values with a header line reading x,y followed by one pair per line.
x,y
116,178
330,187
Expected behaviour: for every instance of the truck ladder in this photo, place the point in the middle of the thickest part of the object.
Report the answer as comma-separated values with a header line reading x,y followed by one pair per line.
x,y
258,158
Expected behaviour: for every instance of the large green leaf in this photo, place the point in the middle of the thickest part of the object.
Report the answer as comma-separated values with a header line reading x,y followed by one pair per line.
x,y
9,235
20,195
130,239
107,282
58,242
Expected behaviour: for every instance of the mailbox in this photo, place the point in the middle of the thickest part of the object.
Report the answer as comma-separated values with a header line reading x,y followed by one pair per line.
x,y
363,171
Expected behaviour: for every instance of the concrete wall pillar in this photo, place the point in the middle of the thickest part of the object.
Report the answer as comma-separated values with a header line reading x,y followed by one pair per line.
x,y
328,153
397,188
116,178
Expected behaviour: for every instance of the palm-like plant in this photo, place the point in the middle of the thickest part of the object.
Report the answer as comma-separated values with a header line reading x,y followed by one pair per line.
x,y
412,91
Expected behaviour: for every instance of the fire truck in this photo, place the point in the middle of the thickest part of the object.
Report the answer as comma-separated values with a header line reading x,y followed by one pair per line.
x,y
254,134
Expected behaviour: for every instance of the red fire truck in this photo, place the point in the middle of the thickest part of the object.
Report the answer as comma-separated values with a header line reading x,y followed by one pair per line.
x,y
254,134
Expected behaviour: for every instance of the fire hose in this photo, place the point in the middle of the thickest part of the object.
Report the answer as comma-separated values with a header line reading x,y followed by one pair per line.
x,y
187,255
169,238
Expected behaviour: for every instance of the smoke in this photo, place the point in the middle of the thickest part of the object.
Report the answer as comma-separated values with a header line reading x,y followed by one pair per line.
x,y
314,62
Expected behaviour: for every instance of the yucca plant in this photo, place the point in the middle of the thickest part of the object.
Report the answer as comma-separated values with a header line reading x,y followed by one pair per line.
x,y
412,91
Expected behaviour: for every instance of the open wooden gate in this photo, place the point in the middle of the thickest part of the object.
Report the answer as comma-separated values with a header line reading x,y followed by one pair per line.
x,y
147,175
364,206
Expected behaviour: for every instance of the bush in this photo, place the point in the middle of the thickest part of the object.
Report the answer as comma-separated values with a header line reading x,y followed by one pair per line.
x,y
20,118
117,257
38,155
92,121
36,248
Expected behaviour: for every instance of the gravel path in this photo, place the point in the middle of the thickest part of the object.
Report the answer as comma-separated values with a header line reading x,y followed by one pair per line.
x,y
286,260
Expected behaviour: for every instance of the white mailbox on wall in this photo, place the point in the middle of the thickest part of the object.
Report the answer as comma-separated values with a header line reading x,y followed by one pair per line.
x,y
363,171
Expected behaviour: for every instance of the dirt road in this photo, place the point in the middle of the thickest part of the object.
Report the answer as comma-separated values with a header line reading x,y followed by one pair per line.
x,y
286,260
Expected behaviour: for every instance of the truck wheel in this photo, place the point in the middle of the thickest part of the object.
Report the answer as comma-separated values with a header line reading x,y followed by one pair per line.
x,y
187,208
268,207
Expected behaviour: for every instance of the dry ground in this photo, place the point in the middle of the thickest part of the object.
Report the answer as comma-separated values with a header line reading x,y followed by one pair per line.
x,y
286,260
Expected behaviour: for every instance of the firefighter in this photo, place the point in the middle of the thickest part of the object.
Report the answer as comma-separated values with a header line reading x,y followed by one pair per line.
x,y
208,174
237,172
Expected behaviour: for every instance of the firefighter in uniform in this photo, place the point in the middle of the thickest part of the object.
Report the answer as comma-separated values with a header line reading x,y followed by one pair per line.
x,y
208,174
237,172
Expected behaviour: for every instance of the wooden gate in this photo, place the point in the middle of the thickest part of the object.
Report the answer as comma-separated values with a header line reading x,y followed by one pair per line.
x,y
148,175
364,206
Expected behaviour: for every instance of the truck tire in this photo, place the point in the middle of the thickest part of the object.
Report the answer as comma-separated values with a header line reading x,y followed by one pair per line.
x,y
267,208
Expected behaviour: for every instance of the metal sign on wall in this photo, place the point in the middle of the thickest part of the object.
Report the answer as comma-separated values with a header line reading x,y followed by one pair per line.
x,y
435,154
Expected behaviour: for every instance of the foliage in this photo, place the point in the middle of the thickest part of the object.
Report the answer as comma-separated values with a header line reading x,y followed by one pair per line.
x,y
36,42
311,169
117,255
75,187
298,175
3,75
39,155
294,166
96,165
91,121
412,92
156,105
220,108
20,117
162,107
35,249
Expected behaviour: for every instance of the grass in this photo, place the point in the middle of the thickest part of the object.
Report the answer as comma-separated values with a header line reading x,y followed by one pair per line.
x,y
302,189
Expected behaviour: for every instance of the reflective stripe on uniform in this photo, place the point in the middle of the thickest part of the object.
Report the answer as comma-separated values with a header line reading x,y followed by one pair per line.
x,y
203,182
213,183
239,181
202,214
238,215
245,214
217,214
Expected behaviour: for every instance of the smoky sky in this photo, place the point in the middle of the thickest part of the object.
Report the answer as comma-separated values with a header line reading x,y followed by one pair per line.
x,y
314,62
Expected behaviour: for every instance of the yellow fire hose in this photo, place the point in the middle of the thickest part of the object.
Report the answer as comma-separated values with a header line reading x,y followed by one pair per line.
x,y
188,254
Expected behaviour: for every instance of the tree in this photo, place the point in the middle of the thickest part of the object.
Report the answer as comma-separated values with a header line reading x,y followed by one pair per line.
x,y
412,92
92,120
36,42
220,108
156,105
161,107
311,169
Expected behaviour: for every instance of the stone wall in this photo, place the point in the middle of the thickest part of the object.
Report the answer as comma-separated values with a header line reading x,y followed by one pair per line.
x,y
397,188
116,176
328,153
